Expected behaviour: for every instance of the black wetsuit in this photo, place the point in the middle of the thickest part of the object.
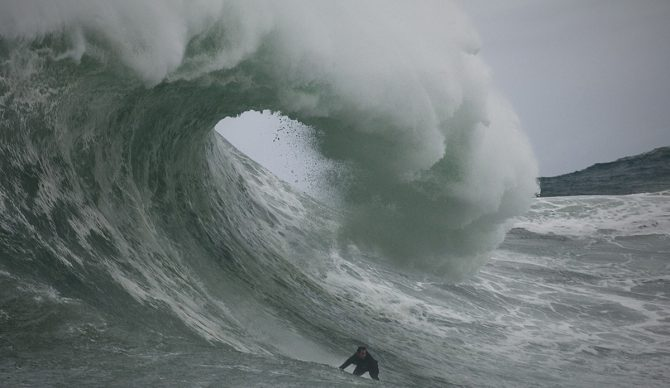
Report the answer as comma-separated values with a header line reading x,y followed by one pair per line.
x,y
367,364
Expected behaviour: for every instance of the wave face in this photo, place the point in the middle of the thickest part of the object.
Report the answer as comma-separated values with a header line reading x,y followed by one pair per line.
x,y
133,235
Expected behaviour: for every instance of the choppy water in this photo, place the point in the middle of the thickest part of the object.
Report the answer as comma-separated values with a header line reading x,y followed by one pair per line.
x,y
138,247
577,295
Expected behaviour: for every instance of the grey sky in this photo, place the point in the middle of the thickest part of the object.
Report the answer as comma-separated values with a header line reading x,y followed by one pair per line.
x,y
589,79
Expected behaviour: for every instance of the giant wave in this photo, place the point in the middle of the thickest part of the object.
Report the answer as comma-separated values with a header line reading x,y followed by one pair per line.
x,y
436,161
117,191
134,235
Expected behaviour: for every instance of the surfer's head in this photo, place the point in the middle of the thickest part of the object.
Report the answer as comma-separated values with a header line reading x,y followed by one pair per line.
x,y
361,352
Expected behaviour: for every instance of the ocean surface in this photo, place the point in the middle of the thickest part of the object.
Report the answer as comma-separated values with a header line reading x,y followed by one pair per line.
x,y
139,248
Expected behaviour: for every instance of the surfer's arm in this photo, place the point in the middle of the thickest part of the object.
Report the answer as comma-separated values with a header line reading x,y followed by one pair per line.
x,y
348,362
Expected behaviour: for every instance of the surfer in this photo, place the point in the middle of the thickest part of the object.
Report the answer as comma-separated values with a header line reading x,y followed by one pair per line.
x,y
364,363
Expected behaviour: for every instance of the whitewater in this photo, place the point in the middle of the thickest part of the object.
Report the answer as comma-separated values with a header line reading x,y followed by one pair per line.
x,y
139,247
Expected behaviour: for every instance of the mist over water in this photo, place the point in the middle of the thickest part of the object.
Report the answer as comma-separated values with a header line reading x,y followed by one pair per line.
x,y
134,236
288,149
